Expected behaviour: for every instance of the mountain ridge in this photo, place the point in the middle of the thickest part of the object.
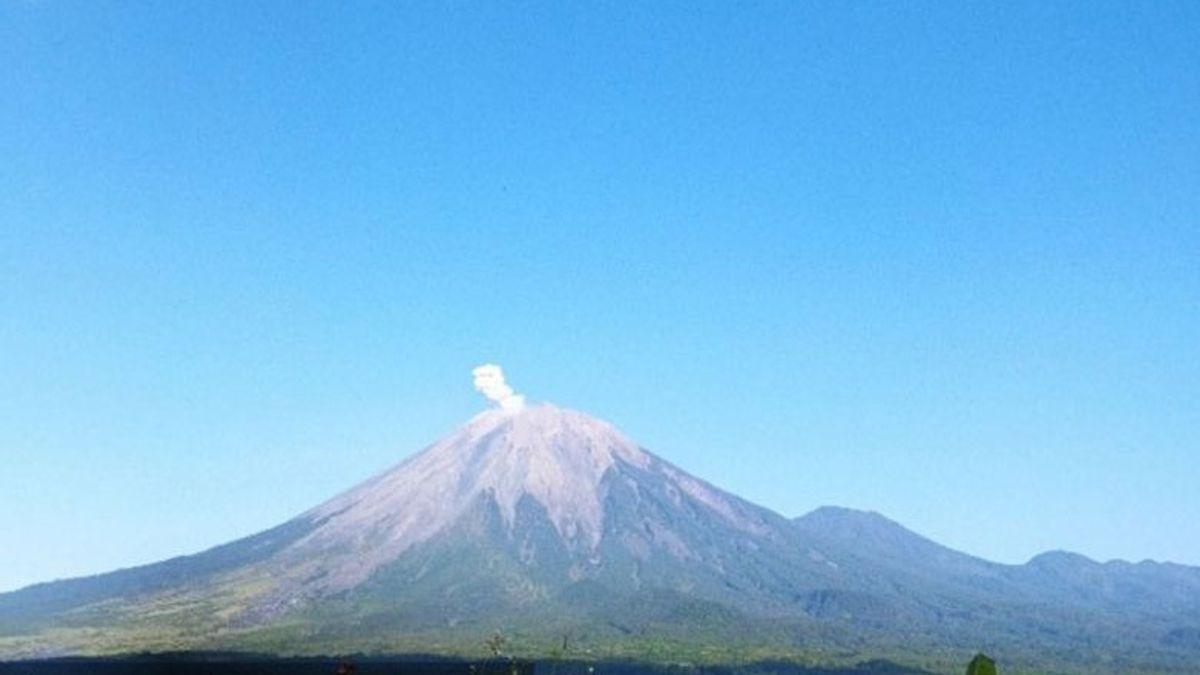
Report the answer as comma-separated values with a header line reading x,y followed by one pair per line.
x,y
548,520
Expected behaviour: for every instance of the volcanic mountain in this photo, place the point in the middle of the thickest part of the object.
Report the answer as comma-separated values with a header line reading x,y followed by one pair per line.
x,y
544,522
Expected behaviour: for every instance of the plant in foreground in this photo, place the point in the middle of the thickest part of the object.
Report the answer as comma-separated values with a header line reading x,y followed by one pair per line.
x,y
981,665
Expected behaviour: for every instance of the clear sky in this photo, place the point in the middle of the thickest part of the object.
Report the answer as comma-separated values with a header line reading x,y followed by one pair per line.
x,y
937,260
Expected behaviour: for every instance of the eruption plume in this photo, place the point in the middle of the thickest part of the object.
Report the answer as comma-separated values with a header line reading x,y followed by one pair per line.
x,y
489,381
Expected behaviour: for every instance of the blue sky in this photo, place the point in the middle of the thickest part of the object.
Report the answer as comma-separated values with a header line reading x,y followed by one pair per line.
x,y
941,261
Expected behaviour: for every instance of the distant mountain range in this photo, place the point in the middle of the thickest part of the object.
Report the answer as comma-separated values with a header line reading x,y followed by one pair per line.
x,y
554,529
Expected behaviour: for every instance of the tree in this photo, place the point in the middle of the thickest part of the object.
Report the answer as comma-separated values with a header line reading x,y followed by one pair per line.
x,y
981,665
495,644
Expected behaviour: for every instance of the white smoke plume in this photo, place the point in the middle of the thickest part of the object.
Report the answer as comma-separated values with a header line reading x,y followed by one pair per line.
x,y
489,381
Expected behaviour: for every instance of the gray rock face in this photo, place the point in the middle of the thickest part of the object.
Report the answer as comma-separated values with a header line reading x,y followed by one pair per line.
x,y
580,478
546,520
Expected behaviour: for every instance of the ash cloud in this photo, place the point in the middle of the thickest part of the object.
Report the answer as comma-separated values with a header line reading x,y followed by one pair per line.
x,y
489,381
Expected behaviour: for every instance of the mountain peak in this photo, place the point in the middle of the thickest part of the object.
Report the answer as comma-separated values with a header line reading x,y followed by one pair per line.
x,y
536,448
555,456
1059,559
845,516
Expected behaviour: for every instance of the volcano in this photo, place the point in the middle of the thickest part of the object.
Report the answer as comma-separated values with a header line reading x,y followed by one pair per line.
x,y
544,522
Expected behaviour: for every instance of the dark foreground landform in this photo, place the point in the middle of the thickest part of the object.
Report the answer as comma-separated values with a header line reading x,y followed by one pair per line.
x,y
223,664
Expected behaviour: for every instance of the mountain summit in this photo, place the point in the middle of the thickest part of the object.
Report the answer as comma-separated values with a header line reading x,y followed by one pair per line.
x,y
547,521
555,465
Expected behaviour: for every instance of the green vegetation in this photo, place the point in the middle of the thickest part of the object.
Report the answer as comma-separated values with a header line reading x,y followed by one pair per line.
x,y
981,665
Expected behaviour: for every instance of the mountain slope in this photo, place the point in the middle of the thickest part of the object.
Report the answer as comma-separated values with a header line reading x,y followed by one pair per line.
x,y
546,521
